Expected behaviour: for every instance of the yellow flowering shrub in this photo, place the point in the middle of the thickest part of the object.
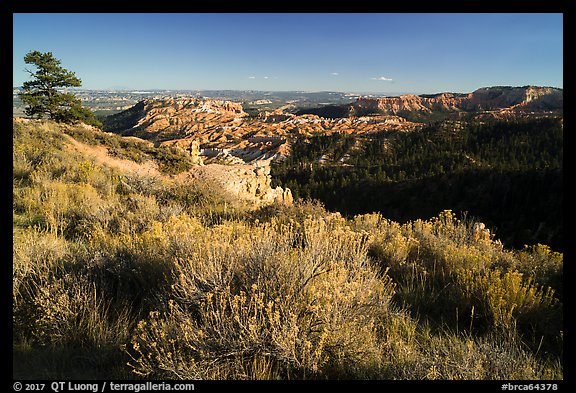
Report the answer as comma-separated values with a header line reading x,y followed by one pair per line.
x,y
193,286
279,293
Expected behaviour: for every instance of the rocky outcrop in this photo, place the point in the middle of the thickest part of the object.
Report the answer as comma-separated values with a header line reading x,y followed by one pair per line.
x,y
528,98
225,158
405,103
247,183
187,146
219,126
194,151
276,116
225,134
166,118
518,98
489,98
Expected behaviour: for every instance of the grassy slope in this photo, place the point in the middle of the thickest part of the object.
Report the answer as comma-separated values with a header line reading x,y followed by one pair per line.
x,y
119,275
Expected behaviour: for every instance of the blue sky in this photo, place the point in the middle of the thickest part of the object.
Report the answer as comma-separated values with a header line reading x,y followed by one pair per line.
x,y
349,52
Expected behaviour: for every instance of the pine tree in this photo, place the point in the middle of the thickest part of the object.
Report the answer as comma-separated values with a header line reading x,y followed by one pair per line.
x,y
41,94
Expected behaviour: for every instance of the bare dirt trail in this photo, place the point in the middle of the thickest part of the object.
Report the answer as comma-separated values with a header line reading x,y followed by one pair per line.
x,y
100,155
147,168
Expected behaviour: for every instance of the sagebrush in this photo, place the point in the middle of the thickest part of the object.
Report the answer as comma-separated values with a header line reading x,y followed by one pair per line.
x,y
123,276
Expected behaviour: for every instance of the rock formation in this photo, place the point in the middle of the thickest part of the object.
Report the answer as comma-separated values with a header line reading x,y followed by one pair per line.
x,y
242,182
187,146
226,134
194,150
526,98
223,140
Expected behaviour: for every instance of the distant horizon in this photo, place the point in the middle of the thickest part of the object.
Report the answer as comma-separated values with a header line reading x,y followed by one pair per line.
x,y
295,91
144,90
375,53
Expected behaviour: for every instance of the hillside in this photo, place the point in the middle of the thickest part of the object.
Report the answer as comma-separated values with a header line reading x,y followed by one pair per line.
x,y
505,99
225,132
135,157
223,128
508,173
125,267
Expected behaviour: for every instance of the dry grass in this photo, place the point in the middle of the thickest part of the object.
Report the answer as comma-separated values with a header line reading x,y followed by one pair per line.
x,y
129,276
275,294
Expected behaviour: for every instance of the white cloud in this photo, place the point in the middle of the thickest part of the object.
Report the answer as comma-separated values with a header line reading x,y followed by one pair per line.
x,y
334,73
382,78
251,77
266,77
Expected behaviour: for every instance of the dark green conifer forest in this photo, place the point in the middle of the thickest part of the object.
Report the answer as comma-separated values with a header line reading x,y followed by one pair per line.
x,y
506,173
